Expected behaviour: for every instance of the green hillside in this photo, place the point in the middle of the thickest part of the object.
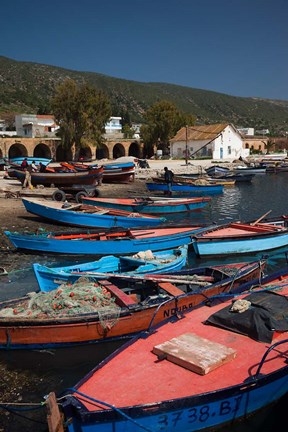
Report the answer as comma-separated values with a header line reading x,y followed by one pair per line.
x,y
27,88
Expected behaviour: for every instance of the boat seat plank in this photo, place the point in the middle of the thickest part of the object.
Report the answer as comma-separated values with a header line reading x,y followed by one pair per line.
x,y
170,288
195,353
122,299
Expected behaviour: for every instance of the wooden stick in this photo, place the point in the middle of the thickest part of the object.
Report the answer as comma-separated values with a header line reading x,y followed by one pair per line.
x,y
258,220
163,278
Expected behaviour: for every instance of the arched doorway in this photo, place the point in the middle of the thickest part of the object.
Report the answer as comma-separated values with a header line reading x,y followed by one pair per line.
x,y
102,152
118,151
134,150
85,154
42,151
17,150
63,155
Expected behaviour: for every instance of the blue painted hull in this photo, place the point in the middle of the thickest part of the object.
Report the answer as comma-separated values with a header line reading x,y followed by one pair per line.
x,y
91,220
185,415
19,160
187,189
49,243
164,262
150,208
223,246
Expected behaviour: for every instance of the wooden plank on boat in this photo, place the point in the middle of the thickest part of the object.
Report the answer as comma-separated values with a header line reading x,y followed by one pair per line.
x,y
123,299
54,417
195,353
170,288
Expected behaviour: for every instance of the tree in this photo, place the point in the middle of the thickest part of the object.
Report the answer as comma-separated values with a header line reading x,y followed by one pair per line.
x,y
81,112
162,121
269,145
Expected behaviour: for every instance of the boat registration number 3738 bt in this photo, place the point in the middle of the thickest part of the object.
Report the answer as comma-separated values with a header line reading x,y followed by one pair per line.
x,y
200,414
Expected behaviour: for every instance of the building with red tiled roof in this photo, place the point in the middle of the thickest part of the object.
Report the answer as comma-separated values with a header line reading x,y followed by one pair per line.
x,y
218,141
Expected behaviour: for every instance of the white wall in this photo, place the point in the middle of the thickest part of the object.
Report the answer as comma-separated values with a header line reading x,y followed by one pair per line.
x,y
229,141
228,145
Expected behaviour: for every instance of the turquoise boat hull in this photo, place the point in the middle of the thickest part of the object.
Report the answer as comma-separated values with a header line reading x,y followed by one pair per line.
x,y
86,219
163,262
186,189
151,207
159,239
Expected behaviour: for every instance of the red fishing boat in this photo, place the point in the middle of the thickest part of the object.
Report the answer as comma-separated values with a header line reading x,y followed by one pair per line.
x,y
89,312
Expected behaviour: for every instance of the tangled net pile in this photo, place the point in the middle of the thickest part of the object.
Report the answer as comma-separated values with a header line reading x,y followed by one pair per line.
x,y
83,297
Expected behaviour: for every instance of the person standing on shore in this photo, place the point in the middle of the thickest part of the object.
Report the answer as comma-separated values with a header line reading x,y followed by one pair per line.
x,y
27,180
168,177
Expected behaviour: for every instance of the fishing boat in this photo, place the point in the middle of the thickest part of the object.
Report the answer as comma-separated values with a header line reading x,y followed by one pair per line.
x,y
109,309
62,178
217,170
250,169
200,370
240,238
119,172
88,215
181,188
37,160
205,180
166,261
120,241
150,205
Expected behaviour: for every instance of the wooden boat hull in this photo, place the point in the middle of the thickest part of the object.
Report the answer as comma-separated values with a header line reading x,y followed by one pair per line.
x,y
186,189
239,239
254,377
89,177
31,333
119,172
149,206
247,170
132,241
53,210
166,261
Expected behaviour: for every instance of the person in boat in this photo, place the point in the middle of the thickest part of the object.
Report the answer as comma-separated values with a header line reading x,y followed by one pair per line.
x,y
42,167
24,163
34,166
168,177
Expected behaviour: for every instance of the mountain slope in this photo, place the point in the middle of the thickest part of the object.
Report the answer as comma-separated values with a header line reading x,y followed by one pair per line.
x,y
27,87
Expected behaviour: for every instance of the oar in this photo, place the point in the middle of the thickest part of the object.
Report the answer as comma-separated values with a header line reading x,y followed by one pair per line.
x,y
142,277
262,217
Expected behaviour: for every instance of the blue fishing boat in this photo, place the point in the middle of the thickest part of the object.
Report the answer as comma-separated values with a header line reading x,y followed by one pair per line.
x,y
37,160
120,241
242,238
150,205
88,216
165,261
200,370
188,189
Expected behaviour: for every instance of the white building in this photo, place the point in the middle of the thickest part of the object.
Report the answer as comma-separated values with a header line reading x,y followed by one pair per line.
x,y
113,126
33,125
218,141
246,131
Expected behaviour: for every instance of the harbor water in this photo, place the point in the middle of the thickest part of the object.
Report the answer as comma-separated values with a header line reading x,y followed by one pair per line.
x,y
33,374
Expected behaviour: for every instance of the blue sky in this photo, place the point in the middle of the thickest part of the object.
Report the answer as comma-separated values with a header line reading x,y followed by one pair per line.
x,y
237,47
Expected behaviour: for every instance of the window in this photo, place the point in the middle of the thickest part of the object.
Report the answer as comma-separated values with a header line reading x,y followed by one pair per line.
x,y
229,150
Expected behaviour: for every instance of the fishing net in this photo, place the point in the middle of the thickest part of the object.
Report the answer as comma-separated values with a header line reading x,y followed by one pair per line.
x,y
108,316
83,297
